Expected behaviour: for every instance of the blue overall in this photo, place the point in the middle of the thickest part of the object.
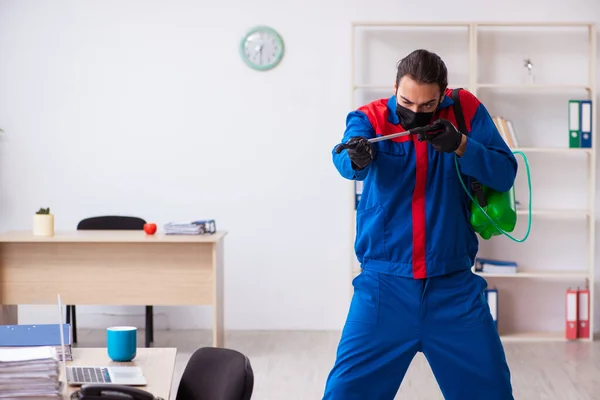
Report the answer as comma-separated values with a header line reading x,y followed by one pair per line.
x,y
416,291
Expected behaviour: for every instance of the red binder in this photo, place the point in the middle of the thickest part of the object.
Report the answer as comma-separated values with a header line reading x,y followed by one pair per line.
x,y
583,302
571,314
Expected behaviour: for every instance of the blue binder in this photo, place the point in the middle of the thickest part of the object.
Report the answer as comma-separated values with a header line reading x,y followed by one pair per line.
x,y
33,335
492,300
585,122
358,189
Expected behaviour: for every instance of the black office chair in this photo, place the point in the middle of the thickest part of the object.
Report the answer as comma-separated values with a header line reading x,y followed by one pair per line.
x,y
111,222
214,373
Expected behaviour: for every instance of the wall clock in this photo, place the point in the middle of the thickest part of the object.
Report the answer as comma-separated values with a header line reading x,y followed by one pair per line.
x,y
262,48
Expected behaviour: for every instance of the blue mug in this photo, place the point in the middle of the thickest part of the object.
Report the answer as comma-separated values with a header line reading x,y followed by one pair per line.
x,y
121,342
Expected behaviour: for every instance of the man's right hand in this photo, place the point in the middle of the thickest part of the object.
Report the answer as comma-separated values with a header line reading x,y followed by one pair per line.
x,y
360,152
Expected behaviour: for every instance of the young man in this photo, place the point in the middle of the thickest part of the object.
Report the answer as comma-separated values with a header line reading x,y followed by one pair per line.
x,y
416,291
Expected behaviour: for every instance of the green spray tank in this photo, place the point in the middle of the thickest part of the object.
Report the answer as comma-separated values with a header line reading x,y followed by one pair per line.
x,y
499,206
492,212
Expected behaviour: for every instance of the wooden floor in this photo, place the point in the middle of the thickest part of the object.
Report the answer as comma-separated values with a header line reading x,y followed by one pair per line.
x,y
294,365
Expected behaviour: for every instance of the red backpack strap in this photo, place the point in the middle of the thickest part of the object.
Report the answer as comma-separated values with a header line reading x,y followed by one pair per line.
x,y
476,186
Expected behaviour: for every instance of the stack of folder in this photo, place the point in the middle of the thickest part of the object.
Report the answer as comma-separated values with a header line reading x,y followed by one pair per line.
x,y
490,266
29,373
580,123
577,314
191,228
37,335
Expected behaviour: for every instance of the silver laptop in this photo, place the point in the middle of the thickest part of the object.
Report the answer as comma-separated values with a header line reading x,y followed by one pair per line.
x,y
84,375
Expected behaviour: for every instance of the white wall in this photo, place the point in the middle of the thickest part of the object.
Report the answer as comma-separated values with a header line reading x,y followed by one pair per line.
x,y
145,108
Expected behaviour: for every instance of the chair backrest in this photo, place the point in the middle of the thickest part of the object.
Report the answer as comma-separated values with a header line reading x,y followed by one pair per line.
x,y
214,373
111,222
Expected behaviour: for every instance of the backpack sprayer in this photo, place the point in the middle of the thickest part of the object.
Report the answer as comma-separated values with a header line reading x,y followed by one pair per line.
x,y
492,213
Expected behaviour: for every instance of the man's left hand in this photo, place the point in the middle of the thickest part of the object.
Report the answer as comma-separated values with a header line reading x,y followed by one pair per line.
x,y
449,140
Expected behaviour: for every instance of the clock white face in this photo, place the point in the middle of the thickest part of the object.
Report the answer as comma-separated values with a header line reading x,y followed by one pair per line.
x,y
262,49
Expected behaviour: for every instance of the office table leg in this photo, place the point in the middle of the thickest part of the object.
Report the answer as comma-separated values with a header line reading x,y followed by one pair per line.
x,y
218,316
9,315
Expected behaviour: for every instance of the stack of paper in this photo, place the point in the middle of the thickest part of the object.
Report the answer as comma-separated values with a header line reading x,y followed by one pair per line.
x,y
190,228
29,373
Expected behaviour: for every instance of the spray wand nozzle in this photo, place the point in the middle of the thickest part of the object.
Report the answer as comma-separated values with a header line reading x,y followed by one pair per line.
x,y
423,133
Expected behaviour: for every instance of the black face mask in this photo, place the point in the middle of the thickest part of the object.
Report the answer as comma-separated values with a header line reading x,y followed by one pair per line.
x,y
410,119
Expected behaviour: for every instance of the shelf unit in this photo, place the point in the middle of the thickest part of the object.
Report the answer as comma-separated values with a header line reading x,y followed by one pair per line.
x,y
475,84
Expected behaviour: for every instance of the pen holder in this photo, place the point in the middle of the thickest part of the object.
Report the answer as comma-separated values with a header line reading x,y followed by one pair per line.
x,y
43,224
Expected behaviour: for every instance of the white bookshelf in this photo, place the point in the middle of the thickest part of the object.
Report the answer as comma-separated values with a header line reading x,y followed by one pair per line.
x,y
471,66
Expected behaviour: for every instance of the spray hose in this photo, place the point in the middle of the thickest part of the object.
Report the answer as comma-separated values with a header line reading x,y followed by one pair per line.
x,y
482,209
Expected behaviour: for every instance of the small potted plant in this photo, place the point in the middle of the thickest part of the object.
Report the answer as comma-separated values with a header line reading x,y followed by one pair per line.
x,y
43,223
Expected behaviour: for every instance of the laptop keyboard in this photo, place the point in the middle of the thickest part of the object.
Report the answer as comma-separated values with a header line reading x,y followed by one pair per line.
x,y
90,375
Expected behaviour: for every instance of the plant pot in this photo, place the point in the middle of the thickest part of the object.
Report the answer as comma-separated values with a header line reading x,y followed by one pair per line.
x,y
43,225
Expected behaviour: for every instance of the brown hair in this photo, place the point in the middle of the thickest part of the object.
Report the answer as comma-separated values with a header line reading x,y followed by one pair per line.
x,y
425,67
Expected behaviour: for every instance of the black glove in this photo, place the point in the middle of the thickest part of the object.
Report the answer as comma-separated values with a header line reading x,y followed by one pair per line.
x,y
448,140
359,150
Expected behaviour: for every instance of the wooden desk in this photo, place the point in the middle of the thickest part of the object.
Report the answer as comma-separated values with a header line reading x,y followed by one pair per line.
x,y
157,364
112,268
